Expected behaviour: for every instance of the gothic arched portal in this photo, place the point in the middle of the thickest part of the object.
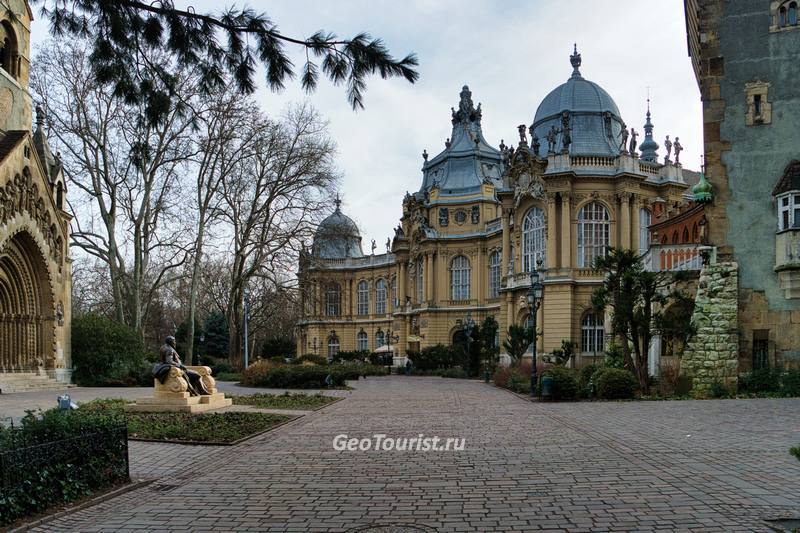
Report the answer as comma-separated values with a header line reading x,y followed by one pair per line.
x,y
27,319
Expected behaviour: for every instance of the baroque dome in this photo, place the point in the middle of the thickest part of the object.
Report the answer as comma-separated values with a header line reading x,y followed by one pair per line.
x,y
337,237
594,120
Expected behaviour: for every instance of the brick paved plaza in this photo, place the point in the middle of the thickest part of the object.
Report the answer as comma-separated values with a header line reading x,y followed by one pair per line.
x,y
635,466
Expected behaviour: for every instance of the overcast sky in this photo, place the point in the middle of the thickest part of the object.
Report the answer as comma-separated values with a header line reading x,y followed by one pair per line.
x,y
511,54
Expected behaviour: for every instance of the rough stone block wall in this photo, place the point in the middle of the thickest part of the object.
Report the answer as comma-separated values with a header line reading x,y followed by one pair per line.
x,y
712,355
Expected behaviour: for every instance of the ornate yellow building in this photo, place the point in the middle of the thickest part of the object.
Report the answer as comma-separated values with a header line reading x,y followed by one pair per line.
x,y
483,219
35,270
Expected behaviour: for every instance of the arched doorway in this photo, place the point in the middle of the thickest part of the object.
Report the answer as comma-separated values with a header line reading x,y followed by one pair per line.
x,y
27,319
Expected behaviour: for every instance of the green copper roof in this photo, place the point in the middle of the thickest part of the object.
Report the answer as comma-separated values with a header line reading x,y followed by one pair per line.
x,y
702,191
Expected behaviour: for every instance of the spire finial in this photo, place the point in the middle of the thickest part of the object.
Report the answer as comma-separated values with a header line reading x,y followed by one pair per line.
x,y
39,115
575,61
337,201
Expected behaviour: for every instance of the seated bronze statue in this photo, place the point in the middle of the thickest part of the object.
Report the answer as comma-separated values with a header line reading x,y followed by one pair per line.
x,y
171,364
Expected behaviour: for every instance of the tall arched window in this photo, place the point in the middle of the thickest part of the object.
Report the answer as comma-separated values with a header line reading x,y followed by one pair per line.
x,y
459,278
362,298
644,231
380,297
592,333
792,16
534,239
420,281
494,274
593,233
380,339
8,49
333,299
685,235
395,303
362,341
333,346
782,16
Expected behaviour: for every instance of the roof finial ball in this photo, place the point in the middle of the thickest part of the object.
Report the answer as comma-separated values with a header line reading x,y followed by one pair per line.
x,y
575,61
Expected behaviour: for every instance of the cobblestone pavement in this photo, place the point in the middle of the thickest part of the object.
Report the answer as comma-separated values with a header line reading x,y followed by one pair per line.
x,y
633,466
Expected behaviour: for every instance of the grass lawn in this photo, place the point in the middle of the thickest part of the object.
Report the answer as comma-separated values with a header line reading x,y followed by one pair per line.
x,y
223,428
285,401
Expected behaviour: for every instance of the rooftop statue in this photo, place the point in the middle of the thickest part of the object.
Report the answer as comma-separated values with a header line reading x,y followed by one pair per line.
x,y
678,150
668,146
566,138
551,139
624,135
634,135
522,138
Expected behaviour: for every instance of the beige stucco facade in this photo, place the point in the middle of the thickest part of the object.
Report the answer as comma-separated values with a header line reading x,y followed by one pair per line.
x,y
456,220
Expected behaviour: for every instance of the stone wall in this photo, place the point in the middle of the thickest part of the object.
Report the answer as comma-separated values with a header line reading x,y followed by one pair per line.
x,y
712,355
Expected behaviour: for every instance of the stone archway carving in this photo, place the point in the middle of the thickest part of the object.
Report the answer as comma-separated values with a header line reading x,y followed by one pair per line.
x,y
27,321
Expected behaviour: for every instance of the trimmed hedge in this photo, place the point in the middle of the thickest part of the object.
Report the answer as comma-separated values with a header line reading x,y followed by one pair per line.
x,y
585,382
59,458
439,356
107,353
305,377
615,383
565,383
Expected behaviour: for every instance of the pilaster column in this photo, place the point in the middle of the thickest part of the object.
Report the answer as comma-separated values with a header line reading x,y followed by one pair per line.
x,y
551,252
506,243
317,298
625,221
635,223
566,230
509,309
402,279
431,297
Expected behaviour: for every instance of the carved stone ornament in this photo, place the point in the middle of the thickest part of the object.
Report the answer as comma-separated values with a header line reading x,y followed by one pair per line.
x,y
22,195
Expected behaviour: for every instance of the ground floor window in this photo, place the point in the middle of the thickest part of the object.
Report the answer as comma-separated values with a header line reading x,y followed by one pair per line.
x,y
333,346
362,342
592,333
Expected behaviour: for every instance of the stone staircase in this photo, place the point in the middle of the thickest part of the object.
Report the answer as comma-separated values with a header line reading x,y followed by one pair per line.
x,y
28,381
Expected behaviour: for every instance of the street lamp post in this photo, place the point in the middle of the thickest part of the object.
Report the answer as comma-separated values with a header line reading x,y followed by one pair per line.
x,y
246,320
469,326
390,336
534,301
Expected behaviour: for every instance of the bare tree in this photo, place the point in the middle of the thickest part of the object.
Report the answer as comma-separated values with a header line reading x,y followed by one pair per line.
x,y
272,202
125,171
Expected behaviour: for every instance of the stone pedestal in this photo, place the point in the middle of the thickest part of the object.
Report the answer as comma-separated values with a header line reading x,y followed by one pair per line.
x,y
712,355
172,395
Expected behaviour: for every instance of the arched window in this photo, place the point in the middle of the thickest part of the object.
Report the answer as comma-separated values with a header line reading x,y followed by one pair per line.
x,y
380,339
675,237
494,274
420,281
333,299
593,233
395,303
362,298
8,49
782,16
380,297
333,346
644,230
362,341
685,235
534,239
60,195
695,233
792,16
459,278
592,333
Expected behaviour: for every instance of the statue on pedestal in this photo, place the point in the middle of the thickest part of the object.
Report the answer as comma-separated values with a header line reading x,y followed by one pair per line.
x,y
668,146
678,150
171,360
624,135
634,135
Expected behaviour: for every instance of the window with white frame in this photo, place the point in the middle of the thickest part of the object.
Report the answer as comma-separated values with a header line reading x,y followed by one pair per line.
x,y
362,341
380,297
459,278
333,346
362,298
494,274
644,231
789,211
534,239
333,299
380,339
420,281
592,333
593,233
